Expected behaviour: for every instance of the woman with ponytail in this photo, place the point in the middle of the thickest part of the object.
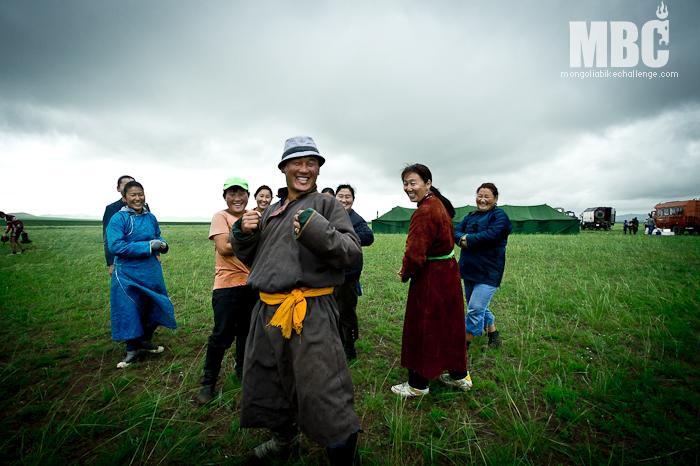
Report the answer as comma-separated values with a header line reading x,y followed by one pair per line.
x,y
433,343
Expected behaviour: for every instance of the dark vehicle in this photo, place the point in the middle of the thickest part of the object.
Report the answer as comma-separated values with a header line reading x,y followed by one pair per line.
x,y
678,216
598,218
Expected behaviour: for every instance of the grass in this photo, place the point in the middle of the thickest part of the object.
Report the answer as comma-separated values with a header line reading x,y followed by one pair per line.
x,y
599,363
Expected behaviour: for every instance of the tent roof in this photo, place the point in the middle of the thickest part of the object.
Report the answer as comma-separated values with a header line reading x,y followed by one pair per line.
x,y
397,214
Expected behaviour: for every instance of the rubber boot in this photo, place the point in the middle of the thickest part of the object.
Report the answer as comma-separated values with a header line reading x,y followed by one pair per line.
x,y
348,340
346,454
283,444
495,339
349,348
212,366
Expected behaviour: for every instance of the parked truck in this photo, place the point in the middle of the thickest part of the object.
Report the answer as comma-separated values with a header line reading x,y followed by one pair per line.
x,y
598,218
678,216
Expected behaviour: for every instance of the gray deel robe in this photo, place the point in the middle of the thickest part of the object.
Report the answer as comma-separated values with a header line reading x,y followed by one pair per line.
x,y
304,379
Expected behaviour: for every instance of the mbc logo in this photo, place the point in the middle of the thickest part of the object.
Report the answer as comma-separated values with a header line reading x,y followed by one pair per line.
x,y
587,47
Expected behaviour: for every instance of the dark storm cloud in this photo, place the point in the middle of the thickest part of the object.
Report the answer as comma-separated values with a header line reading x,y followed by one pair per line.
x,y
473,89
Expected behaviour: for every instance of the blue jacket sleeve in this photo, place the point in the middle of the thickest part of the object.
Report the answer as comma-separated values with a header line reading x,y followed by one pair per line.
x,y
498,228
159,236
117,238
461,230
362,230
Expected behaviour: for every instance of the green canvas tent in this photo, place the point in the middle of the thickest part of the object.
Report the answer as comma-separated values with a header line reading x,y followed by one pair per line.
x,y
525,219
394,221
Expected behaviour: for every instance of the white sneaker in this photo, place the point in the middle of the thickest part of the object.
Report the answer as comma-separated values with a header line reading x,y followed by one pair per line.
x,y
149,347
130,358
462,384
406,391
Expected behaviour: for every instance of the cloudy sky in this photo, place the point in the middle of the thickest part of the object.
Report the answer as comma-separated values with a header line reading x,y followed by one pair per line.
x,y
183,94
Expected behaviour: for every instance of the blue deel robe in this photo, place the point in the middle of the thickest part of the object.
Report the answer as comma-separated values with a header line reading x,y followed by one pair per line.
x,y
138,294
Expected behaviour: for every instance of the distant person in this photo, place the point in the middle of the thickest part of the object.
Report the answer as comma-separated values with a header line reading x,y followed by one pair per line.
x,y
635,225
650,224
14,229
482,236
328,191
433,331
139,301
625,227
232,299
295,376
263,197
346,294
282,193
110,210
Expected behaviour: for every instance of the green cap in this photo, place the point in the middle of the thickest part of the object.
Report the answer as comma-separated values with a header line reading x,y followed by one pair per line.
x,y
235,181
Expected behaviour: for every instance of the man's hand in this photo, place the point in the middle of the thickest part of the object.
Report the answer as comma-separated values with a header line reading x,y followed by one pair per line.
x,y
250,221
111,269
296,224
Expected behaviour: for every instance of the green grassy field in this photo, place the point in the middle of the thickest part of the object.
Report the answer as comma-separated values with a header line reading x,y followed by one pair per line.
x,y
599,363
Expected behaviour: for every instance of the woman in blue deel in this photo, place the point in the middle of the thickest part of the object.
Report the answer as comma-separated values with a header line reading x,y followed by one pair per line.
x,y
139,300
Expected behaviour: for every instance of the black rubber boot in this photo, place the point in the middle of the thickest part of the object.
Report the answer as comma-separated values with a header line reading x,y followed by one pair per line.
x,y
206,394
212,366
283,444
349,348
346,454
347,338
495,339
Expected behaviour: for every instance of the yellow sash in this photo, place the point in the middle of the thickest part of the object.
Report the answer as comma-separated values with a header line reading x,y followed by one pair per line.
x,y
292,308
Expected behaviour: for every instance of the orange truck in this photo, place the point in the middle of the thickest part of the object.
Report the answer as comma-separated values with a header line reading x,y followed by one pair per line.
x,y
678,216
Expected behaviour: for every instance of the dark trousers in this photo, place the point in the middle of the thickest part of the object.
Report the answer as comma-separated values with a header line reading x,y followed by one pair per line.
x,y
148,327
346,297
135,344
232,307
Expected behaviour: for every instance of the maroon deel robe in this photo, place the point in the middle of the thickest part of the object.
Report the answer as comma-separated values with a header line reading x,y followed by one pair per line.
x,y
434,338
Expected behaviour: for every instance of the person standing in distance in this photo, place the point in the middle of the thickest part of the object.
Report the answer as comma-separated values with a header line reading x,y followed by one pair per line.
x,y
346,294
263,197
110,210
14,229
295,373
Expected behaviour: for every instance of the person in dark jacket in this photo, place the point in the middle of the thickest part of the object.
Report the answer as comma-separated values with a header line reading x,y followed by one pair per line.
x,y
346,294
635,225
110,210
483,235
649,224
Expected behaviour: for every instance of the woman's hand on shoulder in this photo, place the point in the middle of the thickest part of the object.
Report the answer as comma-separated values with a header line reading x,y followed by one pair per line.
x,y
463,242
